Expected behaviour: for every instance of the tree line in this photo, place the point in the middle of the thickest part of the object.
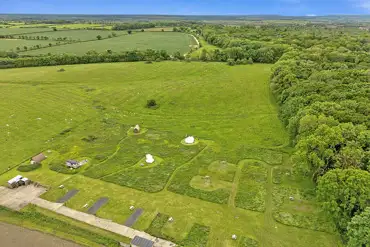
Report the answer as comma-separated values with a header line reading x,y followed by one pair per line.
x,y
90,57
131,26
324,97
321,82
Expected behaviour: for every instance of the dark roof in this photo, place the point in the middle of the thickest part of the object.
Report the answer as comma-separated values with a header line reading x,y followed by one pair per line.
x,y
142,242
38,158
72,162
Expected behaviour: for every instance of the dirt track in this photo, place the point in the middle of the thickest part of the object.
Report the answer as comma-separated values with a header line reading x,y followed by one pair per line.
x,y
15,236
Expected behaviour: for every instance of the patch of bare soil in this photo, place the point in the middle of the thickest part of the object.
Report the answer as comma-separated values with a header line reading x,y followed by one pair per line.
x,y
15,236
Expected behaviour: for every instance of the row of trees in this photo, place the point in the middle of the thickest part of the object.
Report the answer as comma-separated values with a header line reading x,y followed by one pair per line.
x,y
90,57
33,37
132,26
321,82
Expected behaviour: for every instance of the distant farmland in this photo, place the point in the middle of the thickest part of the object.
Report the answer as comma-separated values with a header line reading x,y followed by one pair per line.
x,y
169,41
77,34
12,44
13,31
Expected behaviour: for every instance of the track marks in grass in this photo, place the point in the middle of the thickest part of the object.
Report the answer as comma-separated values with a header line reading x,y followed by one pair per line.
x,y
180,182
178,168
235,185
124,166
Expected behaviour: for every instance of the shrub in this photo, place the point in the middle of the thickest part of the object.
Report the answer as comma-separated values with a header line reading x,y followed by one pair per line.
x,y
61,70
100,157
151,103
231,62
28,168
59,166
89,138
66,131
240,62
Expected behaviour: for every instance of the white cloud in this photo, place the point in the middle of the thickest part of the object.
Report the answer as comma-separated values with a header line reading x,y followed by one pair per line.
x,y
365,4
311,15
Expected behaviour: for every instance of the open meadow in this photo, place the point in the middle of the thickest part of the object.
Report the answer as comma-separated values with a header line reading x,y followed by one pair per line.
x,y
169,41
77,35
80,42
236,178
13,44
15,30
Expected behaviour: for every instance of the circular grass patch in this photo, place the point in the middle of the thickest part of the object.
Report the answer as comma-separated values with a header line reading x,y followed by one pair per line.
x,y
208,184
157,161
131,132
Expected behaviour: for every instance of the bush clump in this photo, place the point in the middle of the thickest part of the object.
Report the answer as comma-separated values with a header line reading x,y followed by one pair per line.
x,y
231,62
151,103
58,166
90,138
28,168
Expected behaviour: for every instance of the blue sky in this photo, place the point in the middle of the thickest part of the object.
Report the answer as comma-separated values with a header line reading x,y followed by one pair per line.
x,y
188,7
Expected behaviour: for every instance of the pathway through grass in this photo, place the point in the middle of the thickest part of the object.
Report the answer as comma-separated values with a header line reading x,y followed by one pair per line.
x,y
229,106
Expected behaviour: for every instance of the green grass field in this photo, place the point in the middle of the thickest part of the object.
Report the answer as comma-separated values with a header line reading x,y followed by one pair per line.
x,y
205,46
77,34
12,44
168,41
15,30
233,181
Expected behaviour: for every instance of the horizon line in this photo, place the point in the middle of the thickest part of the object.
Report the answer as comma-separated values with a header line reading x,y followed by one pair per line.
x,y
242,15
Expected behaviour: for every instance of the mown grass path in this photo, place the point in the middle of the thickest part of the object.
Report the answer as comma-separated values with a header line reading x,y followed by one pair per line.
x,y
230,105
234,188
186,163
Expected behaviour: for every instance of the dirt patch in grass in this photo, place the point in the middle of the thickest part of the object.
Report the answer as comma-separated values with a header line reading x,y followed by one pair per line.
x,y
208,183
12,236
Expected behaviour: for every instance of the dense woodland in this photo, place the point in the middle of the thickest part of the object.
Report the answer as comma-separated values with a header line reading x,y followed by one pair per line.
x,y
322,85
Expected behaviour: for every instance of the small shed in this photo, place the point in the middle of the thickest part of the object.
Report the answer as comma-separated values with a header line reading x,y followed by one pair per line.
x,y
25,181
137,129
141,242
38,158
14,182
72,164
